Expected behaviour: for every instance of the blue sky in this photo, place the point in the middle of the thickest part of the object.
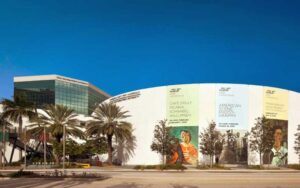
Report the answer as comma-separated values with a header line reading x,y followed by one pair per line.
x,y
123,45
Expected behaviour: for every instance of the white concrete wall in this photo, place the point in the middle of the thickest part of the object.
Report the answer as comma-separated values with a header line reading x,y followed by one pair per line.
x,y
255,111
207,111
145,112
294,121
150,107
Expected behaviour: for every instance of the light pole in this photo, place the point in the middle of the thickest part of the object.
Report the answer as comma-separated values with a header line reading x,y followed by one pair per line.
x,y
25,147
64,146
3,145
45,145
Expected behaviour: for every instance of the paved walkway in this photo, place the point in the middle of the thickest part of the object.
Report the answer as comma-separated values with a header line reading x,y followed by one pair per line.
x,y
165,179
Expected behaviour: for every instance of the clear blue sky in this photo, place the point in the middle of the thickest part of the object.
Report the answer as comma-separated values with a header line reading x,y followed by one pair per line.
x,y
123,45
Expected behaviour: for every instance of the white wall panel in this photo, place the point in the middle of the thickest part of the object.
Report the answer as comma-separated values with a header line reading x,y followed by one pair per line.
x,y
255,111
146,111
206,110
294,121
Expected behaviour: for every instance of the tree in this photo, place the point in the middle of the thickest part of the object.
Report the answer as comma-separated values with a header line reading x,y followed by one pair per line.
x,y
109,121
163,142
261,137
4,125
209,141
84,150
55,118
16,110
297,142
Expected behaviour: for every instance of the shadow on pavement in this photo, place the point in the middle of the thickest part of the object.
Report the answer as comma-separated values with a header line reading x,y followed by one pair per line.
x,y
133,185
124,185
46,183
183,186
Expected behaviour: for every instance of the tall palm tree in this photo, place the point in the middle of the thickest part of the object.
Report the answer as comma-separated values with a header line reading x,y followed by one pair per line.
x,y
17,109
55,118
109,121
4,125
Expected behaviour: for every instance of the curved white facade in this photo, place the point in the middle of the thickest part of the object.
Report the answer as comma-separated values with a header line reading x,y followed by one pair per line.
x,y
192,106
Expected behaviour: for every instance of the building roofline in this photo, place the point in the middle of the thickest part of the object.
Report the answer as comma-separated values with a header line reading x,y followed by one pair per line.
x,y
58,77
99,90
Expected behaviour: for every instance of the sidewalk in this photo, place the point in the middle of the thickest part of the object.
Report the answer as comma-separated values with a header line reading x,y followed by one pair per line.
x,y
128,170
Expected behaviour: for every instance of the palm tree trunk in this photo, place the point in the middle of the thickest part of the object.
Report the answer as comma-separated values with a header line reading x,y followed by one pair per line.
x,y
109,149
260,163
55,153
56,158
20,134
2,144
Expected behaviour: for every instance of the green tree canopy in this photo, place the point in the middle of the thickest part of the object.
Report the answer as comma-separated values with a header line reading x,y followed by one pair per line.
x,y
261,137
109,121
163,142
210,139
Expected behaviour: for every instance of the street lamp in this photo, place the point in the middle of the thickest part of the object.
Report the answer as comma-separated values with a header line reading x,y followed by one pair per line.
x,y
64,146
25,147
4,143
45,145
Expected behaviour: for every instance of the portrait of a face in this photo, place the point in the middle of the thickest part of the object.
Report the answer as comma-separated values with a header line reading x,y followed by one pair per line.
x,y
185,150
278,136
185,137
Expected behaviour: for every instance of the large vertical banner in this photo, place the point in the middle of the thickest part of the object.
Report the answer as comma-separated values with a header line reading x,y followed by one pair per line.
x,y
232,121
231,106
275,109
182,105
182,116
275,103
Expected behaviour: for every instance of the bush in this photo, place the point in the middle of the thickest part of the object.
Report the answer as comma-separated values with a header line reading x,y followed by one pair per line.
x,y
18,163
137,167
294,166
161,167
21,173
202,167
215,166
255,167
68,165
263,167
117,162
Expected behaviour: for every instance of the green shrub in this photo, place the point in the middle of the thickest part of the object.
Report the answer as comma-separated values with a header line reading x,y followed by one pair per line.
x,y
15,164
160,167
256,167
21,173
215,166
261,167
294,166
201,167
137,167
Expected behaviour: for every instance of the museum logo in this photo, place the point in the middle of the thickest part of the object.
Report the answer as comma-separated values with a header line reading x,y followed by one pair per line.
x,y
270,92
224,89
174,90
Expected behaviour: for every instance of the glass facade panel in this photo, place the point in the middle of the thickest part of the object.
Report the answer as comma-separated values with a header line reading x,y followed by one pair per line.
x,y
38,92
95,98
81,98
72,95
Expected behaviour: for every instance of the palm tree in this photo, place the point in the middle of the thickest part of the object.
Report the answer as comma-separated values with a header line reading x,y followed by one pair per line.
x,y
17,109
4,125
55,119
109,121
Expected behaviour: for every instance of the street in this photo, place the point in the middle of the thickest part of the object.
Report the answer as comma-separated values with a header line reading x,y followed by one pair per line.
x,y
165,179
